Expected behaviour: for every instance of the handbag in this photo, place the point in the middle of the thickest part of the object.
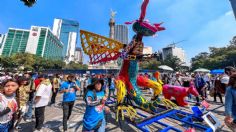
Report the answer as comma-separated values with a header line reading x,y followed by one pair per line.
x,y
212,92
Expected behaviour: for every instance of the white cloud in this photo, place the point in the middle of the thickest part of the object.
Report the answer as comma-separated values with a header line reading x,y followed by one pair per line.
x,y
215,33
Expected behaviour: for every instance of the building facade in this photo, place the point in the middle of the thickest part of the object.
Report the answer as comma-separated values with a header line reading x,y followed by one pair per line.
x,y
174,51
38,40
67,31
42,42
16,41
2,42
147,50
78,55
121,33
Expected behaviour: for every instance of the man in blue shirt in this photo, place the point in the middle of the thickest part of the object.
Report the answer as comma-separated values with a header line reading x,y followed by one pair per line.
x,y
68,88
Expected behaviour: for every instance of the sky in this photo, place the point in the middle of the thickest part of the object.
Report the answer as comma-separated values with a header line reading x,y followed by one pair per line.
x,y
201,23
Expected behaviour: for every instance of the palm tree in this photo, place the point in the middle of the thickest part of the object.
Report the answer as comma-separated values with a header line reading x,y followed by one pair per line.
x,y
29,3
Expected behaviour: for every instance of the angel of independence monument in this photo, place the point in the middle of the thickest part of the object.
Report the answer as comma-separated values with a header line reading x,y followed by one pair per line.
x,y
111,64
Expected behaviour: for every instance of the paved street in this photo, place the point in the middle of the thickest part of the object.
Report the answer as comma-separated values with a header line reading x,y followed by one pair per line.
x,y
53,121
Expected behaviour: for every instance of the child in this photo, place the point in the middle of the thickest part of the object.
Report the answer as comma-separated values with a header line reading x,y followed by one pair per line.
x,y
95,106
8,105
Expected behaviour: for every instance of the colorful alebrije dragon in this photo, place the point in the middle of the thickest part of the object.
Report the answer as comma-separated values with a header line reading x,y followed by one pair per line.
x,y
102,49
127,81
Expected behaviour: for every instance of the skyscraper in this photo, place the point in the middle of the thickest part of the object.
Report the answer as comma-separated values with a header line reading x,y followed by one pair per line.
x,y
121,33
16,41
67,31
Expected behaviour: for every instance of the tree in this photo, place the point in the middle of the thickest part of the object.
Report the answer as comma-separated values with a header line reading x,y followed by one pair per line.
x,y
217,58
29,3
151,64
36,63
76,66
172,61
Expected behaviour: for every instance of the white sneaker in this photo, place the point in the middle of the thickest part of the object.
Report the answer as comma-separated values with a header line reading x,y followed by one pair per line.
x,y
69,124
18,128
28,120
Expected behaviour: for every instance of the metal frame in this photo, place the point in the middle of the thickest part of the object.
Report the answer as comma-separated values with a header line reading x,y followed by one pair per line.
x,y
188,120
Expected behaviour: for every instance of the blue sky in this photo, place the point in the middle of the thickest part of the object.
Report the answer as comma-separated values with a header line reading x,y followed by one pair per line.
x,y
202,23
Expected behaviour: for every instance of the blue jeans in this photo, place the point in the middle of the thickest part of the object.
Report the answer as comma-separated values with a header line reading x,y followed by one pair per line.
x,y
100,129
5,127
230,104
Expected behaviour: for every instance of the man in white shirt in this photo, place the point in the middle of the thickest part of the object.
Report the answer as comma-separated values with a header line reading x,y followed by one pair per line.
x,y
42,98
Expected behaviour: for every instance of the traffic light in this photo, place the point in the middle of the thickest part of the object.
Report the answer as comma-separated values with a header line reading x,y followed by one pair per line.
x,y
29,3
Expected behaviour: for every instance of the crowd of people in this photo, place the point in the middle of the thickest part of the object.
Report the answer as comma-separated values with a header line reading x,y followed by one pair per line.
x,y
25,96
20,95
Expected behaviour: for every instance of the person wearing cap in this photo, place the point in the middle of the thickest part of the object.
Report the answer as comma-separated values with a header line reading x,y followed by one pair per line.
x,y
230,103
42,99
68,89
94,118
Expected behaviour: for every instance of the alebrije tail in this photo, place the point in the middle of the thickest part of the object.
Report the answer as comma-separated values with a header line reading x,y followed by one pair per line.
x,y
145,82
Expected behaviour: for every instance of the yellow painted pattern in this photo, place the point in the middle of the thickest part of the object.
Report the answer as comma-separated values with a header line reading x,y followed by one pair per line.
x,y
94,44
121,90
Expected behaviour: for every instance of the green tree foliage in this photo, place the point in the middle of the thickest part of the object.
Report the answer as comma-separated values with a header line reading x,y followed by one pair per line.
x,y
151,64
76,66
173,62
217,58
33,62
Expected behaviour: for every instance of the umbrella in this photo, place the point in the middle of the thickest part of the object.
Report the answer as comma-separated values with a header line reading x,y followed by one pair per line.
x,y
201,70
165,67
218,71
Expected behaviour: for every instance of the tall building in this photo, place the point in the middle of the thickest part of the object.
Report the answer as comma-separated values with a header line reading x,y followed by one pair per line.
x,y
121,33
2,42
233,4
174,51
78,55
67,31
16,41
38,40
44,43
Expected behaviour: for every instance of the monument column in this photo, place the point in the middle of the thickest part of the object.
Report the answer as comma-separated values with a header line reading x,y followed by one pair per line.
x,y
112,25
